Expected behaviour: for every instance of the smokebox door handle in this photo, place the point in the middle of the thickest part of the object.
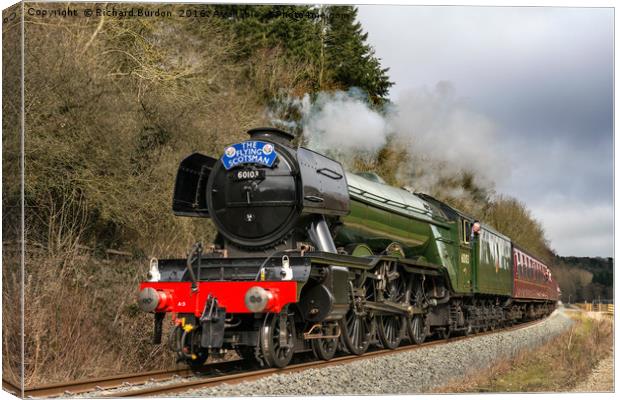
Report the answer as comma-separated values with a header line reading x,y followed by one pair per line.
x,y
329,173
314,199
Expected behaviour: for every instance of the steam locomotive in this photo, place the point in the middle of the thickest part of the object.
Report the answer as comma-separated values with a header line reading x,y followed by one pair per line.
x,y
311,257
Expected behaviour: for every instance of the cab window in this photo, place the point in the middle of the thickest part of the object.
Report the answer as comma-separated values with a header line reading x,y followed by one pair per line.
x,y
466,231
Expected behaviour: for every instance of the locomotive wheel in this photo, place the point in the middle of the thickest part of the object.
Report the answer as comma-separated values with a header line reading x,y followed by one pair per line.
x,y
356,331
325,349
357,325
276,354
416,324
391,328
416,329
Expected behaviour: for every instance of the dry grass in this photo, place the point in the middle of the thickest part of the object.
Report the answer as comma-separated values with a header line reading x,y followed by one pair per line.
x,y
81,318
82,321
11,321
556,366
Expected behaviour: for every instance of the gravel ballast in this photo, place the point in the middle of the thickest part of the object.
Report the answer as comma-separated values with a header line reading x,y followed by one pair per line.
x,y
415,371
601,379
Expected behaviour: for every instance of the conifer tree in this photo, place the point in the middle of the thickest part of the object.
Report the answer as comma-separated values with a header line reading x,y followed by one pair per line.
x,y
328,39
349,60
290,28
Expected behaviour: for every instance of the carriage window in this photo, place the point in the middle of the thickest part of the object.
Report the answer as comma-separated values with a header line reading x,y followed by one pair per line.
x,y
515,262
526,269
539,273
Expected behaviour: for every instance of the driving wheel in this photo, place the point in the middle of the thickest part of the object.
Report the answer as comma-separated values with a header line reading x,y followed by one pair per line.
x,y
277,339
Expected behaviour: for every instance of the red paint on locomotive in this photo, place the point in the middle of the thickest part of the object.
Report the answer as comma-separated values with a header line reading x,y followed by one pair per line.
x,y
178,297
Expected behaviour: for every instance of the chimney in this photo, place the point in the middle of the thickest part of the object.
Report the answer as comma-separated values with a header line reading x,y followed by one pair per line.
x,y
272,135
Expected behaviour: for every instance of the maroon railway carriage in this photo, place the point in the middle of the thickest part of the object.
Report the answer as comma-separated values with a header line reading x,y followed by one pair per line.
x,y
532,278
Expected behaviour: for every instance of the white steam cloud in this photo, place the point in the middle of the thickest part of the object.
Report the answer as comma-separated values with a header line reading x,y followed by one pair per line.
x,y
442,135
444,138
342,122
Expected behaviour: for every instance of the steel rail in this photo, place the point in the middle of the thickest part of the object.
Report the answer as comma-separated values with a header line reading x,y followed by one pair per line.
x,y
254,375
111,382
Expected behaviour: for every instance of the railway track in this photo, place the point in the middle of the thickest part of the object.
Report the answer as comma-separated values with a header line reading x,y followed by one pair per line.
x,y
254,375
111,382
216,374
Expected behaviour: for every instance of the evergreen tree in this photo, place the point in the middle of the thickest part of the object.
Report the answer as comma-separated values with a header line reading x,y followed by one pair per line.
x,y
327,38
290,28
349,60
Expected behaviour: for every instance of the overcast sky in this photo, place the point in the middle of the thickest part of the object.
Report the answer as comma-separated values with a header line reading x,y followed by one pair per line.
x,y
544,77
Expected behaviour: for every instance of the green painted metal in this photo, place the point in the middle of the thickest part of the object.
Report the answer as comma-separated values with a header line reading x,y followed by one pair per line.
x,y
378,228
494,270
466,259
381,214
361,250
393,200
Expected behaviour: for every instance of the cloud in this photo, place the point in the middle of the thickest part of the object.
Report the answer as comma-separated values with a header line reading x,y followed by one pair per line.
x,y
557,171
543,76
577,228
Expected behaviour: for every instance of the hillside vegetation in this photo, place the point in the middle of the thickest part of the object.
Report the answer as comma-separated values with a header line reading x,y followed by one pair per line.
x,y
112,106
585,279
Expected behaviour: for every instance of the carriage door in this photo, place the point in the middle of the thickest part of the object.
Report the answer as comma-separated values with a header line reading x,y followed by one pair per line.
x,y
466,258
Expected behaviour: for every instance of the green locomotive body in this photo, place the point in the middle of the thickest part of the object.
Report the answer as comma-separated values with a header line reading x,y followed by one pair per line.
x,y
427,230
